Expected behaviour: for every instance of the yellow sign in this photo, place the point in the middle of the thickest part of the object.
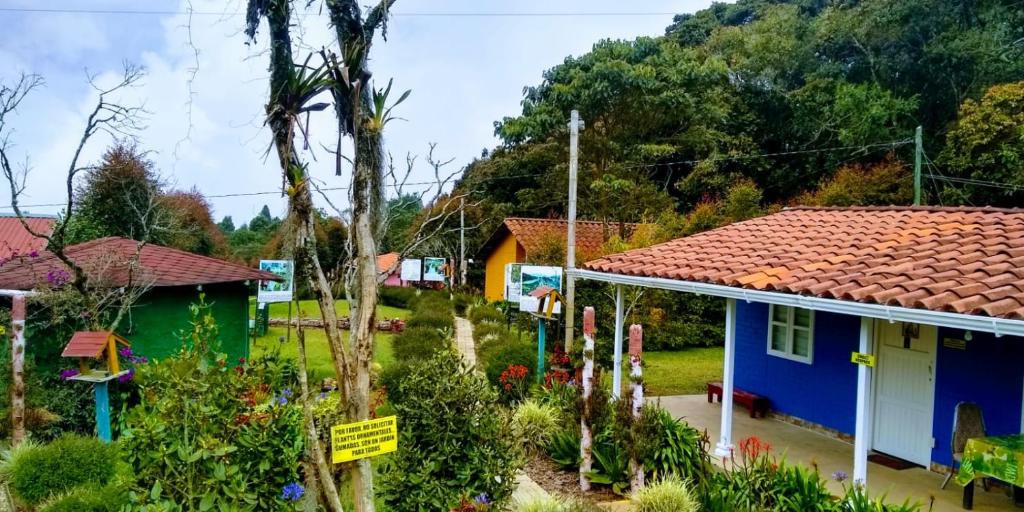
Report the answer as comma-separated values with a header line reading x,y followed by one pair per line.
x,y
864,359
364,439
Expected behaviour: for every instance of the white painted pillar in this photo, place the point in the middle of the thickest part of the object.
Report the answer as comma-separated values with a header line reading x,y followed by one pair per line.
x,y
862,432
724,447
617,358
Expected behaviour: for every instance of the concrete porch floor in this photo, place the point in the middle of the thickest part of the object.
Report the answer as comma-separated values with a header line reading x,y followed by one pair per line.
x,y
807,447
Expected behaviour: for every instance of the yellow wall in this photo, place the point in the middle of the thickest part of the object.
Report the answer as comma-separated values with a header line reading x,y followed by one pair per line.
x,y
508,251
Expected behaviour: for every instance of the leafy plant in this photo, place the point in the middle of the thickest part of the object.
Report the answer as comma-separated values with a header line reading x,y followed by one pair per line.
x,y
36,473
513,383
611,466
535,423
466,451
679,449
486,313
88,498
564,448
498,359
419,343
670,494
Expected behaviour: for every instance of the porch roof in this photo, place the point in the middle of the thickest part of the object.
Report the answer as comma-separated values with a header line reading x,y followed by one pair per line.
x,y
959,267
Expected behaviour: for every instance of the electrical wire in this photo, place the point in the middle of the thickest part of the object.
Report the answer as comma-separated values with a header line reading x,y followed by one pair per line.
x,y
892,144
419,14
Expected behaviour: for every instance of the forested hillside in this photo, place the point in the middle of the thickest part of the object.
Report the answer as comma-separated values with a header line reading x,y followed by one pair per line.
x,y
747,106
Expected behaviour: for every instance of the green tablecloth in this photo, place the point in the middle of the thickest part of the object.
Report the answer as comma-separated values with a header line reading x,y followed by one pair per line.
x,y
1000,457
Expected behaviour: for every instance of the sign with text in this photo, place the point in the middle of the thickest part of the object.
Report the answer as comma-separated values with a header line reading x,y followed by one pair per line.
x,y
277,291
364,439
513,282
863,359
412,270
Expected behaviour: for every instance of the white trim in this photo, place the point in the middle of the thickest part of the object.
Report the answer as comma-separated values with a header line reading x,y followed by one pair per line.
x,y
791,328
724,447
617,358
862,425
997,326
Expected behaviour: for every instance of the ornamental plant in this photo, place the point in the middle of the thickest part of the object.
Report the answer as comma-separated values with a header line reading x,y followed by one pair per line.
x,y
513,383
208,435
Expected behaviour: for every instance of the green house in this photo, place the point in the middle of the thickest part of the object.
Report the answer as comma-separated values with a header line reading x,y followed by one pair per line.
x,y
167,281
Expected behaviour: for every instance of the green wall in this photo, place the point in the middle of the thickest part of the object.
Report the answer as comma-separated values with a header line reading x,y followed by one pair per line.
x,y
162,313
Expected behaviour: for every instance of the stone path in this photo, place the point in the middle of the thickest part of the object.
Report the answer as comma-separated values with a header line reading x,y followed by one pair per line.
x,y
526,489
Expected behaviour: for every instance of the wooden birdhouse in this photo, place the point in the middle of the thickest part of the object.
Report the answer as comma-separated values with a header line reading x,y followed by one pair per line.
x,y
90,346
547,299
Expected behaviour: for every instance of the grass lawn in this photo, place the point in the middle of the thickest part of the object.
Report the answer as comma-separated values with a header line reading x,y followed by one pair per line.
x,y
683,372
318,353
312,310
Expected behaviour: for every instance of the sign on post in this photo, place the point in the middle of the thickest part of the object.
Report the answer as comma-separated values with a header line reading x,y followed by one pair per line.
x,y
433,269
863,359
513,282
277,291
534,277
412,270
363,439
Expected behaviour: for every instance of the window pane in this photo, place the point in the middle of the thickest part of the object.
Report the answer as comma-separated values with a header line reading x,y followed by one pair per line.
x,y
801,342
779,337
780,314
802,317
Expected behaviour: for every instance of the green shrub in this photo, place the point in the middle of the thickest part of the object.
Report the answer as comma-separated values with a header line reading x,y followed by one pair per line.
x,y
37,472
486,313
432,317
678,448
430,299
669,494
201,421
512,353
396,297
552,504
489,332
564,448
534,424
466,451
419,344
88,498
463,301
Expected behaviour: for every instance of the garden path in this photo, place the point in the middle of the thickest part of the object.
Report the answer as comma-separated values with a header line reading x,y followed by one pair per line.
x,y
526,489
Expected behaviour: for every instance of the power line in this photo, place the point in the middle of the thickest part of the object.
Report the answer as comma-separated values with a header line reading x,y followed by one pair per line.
x,y
420,14
980,183
892,144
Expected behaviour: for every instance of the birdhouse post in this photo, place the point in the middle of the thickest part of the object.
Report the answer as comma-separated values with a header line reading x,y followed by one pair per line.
x,y
89,347
547,297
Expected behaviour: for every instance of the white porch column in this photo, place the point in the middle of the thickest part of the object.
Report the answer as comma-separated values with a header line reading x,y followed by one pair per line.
x,y
724,446
617,360
862,433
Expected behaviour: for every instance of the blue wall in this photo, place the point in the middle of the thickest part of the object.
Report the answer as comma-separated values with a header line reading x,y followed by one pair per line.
x,y
824,392
990,372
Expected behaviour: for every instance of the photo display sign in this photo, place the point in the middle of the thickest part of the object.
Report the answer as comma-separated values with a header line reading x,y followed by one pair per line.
x,y
513,282
277,291
412,270
535,277
433,269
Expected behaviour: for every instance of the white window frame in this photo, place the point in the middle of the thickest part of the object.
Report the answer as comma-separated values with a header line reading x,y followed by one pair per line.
x,y
790,327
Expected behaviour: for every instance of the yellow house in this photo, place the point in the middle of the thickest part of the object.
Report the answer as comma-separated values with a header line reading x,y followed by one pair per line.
x,y
523,240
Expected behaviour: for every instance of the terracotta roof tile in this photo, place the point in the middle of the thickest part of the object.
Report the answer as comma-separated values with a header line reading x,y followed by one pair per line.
x,y
108,261
387,262
964,260
16,240
534,234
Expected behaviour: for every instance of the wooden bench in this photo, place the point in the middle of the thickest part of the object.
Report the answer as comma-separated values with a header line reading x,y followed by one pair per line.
x,y
756,404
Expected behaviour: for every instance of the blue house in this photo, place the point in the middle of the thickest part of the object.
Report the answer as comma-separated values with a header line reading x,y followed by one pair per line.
x,y
931,300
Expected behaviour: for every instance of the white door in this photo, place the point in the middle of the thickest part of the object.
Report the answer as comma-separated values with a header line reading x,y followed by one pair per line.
x,y
905,390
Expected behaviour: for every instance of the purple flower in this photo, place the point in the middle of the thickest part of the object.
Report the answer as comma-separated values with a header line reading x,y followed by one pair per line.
x,y
839,476
33,254
292,492
126,377
321,396
281,400
125,352
68,373
287,393
58,277
482,499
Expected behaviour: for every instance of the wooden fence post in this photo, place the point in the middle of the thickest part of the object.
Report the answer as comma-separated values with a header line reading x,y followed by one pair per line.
x,y
636,380
586,437
18,369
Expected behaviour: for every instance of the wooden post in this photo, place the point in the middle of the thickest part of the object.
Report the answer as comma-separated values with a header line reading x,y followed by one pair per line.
x,y
586,437
541,335
102,395
18,369
636,379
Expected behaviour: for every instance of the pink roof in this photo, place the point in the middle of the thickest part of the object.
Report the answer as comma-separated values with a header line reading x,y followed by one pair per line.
x,y
86,344
16,240
107,262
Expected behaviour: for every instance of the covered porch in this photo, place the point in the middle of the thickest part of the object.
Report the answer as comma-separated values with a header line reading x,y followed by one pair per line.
x,y
810,448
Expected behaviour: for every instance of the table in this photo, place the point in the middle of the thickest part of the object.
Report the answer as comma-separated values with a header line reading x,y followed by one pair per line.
x,y
999,457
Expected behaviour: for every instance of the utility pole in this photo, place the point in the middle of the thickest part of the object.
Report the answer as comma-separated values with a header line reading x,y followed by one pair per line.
x,y
462,241
918,152
575,125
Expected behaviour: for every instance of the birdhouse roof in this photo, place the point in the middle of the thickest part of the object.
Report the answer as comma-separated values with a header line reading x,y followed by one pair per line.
x,y
89,343
541,291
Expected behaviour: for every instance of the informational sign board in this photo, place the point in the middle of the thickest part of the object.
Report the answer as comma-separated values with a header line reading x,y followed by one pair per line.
x,y
533,277
513,282
364,439
412,270
274,291
863,359
433,269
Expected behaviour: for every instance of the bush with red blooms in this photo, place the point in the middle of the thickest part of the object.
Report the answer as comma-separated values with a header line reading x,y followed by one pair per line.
x,y
559,359
513,383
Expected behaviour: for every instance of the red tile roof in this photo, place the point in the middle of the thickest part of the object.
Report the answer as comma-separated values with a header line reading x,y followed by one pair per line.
x,y
387,262
86,344
962,260
534,234
107,262
15,239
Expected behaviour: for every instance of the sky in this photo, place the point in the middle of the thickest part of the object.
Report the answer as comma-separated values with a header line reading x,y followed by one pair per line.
x,y
205,88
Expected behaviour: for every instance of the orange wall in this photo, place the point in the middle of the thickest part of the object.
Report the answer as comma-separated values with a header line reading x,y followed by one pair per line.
x,y
508,251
